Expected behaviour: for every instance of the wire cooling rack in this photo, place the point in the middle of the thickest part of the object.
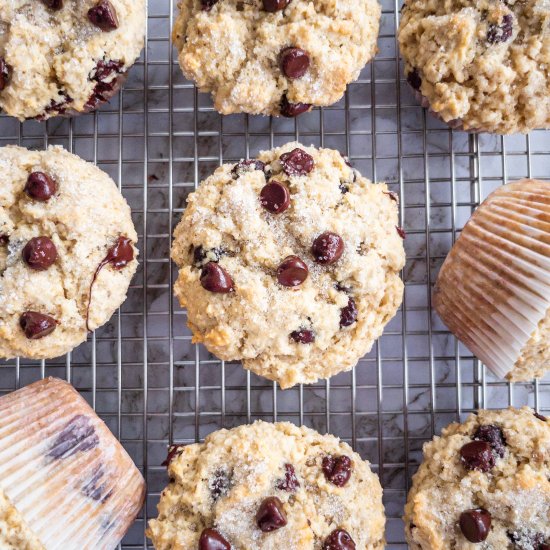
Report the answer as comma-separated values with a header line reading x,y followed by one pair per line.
x,y
158,139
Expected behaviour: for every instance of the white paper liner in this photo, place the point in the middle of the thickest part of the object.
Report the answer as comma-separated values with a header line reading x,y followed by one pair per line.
x,y
494,287
85,499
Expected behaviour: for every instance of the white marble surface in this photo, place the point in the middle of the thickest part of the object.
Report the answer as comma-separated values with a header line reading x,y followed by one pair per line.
x,y
151,384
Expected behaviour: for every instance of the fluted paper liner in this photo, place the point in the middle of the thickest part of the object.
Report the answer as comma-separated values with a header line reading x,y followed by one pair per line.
x,y
493,289
64,471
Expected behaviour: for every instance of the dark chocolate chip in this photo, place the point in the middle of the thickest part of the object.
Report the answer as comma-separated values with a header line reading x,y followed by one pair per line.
x,y
203,255
502,32
220,484
540,416
339,539
245,166
290,482
475,524
413,78
40,186
103,15
292,271
327,248
57,107
107,81
94,488
211,539
106,69
297,162
173,451
303,336
294,62
55,5
36,325
5,73
393,196
275,197
4,239
492,435
275,5
39,253
477,455
291,110
348,314
271,515
337,469
77,436
401,232
344,187
215,278
207,5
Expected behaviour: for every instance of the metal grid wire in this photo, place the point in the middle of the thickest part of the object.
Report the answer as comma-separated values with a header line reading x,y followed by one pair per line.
x,y
158,139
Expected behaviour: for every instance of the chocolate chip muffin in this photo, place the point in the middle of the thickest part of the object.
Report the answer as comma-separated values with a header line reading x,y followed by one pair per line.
x,y
480,65
275,57
61,57
67,251
290,262
484,484
270,487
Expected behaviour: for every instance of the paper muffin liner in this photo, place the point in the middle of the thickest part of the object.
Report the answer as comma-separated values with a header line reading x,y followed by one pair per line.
x,y
64,471
493,289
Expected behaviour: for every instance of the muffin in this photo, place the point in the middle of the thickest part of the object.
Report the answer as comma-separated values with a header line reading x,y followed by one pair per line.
x,y
65,481
275,57
60,57
268,487
493,290
289,262
67,251
484,484
479,65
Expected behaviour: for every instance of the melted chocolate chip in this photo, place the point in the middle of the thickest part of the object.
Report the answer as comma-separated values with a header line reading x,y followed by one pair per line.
x,y
297,162
502,32
207,5
77,436
107,78
337,469
40,186
220,484
477,455
294,62
290,482
393,196
245,166
275,5
540,416
344,187
94,488
39,253
36,325
303,336
292,271
211,539
401,232
215,278
414,80
271,515
339,539
4,239
348,314
5,73
54,5
275,197
173,451
58,107
475,524
202,255
327,248
291,110
494,436
103,15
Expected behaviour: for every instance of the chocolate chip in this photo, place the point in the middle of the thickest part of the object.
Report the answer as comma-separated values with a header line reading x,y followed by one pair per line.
x,y
327,248
401,232
348,314
5,73
292,271
220,484
4,239
39,253
107,68
339,539
55,5
303,336
58,107
294,62
502,32
103,15
245,166
492,435
540,416
297,162
393,196
40,186
344,187
215,278
36,325
337,469
275,197
475,524
94,488
275,5
413,78
477,455
77,436
174,451
291,110
203,255
290,483
271,515
207,5
211,539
